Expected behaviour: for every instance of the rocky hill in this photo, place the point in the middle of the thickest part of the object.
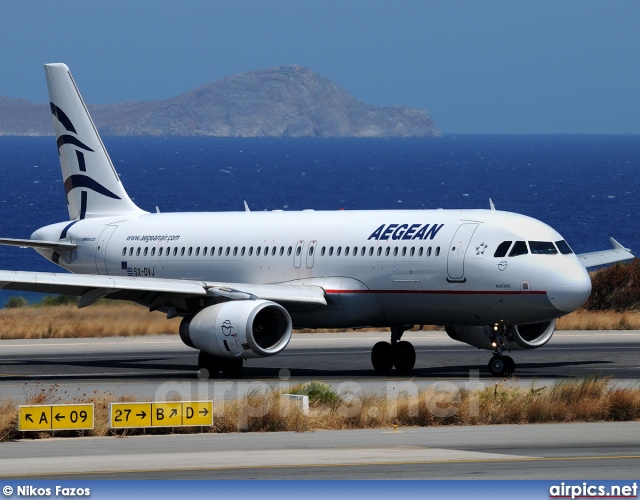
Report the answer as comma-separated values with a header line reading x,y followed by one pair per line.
x,y
288,101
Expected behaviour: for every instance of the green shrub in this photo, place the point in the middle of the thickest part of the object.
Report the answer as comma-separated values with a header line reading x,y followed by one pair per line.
x,y
58,300
616,288
320,393
15,302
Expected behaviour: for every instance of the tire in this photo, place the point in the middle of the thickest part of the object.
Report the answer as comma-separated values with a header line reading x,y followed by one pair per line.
x,y
382,357
497,366
231,368
210,363
404,356
510,365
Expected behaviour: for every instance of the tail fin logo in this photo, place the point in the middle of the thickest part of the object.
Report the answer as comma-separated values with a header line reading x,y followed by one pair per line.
x,y
78,180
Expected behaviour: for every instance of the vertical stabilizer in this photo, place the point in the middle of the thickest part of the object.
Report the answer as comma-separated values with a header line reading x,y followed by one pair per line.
x,y
91,183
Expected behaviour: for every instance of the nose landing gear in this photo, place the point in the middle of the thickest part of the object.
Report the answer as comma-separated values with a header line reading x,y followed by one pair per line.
x,y
500,365
398,353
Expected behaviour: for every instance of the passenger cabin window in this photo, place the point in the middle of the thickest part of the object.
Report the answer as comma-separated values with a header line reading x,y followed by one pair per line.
x,y
153,251
564,248
182,252
289,251
379,251
322,251
542,248
175,251
124,251
519,248
502,249
197,251
330,251
160,252
338,250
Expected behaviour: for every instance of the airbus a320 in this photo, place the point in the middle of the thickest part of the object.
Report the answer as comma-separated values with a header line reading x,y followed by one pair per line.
x,y
242,281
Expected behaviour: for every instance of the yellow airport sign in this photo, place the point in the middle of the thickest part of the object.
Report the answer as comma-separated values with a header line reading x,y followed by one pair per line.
x,y
197,413
55,417
167,414
130,415
161,414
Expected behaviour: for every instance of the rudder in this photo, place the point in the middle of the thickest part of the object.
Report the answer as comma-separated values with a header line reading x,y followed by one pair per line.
x,y
91,183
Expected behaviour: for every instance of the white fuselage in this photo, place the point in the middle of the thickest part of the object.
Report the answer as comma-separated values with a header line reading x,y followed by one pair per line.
x,y
378,268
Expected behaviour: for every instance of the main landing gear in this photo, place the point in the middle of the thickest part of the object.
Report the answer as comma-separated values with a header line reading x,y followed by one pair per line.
x,y
500,365
230,367
398,353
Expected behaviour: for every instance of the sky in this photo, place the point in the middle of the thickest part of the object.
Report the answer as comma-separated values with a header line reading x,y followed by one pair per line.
x,y
478,67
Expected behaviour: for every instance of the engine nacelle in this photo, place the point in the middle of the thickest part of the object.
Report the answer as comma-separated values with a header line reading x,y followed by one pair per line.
x,y
519,337
238,329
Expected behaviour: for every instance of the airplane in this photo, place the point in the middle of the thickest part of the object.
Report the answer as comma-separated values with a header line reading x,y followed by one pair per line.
x,y
242,281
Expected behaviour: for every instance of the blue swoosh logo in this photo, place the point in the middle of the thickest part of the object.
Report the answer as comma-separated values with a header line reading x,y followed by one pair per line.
x,y
83,181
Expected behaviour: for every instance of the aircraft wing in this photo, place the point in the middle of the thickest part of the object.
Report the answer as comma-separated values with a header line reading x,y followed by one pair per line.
x,y
91,287
617,254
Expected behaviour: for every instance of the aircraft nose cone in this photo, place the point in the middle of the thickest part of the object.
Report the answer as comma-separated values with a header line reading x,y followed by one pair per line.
x,y
568,287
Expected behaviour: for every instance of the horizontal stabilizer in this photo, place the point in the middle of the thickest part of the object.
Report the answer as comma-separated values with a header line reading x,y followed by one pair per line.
x,y
49,245
617,254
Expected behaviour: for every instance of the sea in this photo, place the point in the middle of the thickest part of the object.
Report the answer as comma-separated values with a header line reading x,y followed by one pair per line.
x,y
587,187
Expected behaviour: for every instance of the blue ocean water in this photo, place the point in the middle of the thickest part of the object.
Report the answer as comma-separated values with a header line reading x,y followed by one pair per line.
x,y
586,187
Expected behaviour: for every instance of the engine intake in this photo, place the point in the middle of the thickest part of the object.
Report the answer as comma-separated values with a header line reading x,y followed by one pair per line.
x,y
238,329
520,337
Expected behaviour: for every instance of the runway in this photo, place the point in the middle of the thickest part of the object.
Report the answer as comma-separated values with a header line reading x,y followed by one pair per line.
x,y
153,365
161,367
544,451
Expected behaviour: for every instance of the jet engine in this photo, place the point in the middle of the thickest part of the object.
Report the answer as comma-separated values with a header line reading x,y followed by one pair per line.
x,y
520,337
238,329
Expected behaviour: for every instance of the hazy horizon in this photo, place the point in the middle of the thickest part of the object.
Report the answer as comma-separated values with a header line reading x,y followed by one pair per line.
x,y
493,67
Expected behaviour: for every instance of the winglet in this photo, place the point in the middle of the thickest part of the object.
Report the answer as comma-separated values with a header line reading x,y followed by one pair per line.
x,y
617,245
491,205
246,207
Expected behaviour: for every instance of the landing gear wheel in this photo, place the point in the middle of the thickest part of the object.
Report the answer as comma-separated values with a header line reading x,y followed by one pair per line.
x,y
210,363
500,366
404,356
231,368
382,357
510,365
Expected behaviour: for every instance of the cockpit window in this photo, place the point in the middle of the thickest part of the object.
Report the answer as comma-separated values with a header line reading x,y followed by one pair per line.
x,y
519,248
542,247
564,248
502,249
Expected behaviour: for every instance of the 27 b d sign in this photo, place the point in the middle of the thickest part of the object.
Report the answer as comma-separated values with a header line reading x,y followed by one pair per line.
x,y
161,414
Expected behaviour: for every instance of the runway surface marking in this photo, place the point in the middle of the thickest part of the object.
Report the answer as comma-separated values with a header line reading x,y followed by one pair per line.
x,y
242,459
265,459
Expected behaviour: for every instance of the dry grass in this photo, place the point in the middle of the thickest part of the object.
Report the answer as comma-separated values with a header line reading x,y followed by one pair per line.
x,y
115,319
123,319
590,399
583,319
